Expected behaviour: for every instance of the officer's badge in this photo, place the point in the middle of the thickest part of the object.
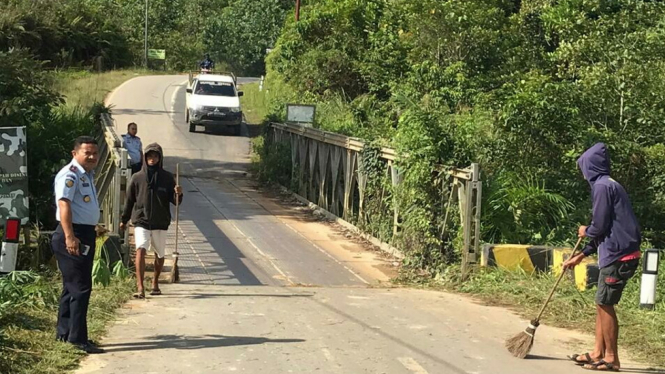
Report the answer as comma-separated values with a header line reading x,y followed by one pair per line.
x,y
83,179
69,183
86,198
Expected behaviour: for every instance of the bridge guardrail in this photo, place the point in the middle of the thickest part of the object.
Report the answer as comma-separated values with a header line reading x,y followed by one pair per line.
x,y
112,175
327,168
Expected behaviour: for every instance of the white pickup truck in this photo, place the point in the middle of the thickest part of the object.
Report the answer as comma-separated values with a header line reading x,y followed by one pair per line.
x,y
213,101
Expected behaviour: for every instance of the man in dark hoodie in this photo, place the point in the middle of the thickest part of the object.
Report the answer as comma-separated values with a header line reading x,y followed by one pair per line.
x,y
150,193
615,235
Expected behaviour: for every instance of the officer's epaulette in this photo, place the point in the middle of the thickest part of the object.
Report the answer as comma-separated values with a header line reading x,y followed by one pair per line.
x,y
73,168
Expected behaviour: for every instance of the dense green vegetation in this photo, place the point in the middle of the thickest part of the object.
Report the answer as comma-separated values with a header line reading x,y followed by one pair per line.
x,y
243,32
110,33
522,87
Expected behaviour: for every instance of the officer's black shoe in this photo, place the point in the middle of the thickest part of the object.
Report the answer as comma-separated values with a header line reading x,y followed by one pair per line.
x,y
90,348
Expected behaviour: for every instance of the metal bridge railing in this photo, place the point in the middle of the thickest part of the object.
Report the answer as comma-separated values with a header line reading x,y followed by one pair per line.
x,y
327,171
112,175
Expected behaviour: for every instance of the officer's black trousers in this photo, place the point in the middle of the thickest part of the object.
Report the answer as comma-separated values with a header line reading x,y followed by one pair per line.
x,y
76,284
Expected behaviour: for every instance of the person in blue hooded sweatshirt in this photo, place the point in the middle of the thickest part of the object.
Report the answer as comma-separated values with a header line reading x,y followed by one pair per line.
x,y
615,235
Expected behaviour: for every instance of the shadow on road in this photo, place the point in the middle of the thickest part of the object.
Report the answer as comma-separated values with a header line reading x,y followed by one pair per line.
x,y
225,262
139,112
248,131
545,358
623,369
254,130
193,342
230,295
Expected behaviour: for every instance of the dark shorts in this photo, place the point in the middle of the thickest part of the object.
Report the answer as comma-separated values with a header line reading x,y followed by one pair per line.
x,y
612,280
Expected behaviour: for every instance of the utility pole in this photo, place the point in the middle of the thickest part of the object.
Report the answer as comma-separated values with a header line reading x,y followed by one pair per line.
x,y
145,37
297,10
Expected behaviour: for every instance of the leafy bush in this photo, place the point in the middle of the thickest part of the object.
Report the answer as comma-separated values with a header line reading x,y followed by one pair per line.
x,y
109,34
275,165
63,33
24,288
25,97
243,32
108,262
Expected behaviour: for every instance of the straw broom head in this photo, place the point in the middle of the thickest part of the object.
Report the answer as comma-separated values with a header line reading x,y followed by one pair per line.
x,y
520,344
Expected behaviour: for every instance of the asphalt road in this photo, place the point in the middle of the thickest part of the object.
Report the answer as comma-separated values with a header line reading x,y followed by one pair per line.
x,y
265,290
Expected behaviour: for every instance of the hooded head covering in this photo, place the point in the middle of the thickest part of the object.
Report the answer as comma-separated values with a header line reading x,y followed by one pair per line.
x,y
594,163
153,171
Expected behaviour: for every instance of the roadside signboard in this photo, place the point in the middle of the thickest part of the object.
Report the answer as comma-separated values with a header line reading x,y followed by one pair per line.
x,y
157,54
13,174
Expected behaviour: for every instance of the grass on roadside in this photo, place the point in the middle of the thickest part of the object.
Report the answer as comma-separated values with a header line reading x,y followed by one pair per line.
x,y
254,103
29,346
83,88
642,331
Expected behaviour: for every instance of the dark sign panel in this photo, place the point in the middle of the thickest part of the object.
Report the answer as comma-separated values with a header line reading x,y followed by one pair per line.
x,y
13,174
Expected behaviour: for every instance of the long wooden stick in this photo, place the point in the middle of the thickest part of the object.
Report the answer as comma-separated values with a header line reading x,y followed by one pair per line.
x,y
563,272
177,207
175,274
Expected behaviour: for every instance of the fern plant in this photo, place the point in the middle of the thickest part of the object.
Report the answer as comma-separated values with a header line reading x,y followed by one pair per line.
x,y
519,209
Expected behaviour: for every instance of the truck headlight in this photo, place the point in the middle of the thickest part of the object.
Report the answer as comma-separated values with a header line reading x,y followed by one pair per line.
x,y
235,110
196,109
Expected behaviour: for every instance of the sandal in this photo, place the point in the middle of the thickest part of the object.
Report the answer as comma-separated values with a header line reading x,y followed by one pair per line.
x,y
139,295
156,292
586,356
601,365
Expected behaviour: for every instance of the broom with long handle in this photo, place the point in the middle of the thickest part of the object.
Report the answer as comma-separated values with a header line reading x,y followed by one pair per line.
x,y
520,344
175,274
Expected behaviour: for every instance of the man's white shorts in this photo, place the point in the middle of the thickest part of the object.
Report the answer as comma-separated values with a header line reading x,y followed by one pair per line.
x,y
154,240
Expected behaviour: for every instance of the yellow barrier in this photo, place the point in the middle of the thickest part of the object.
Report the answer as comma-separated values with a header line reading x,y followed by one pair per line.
x,y
541,258
513,257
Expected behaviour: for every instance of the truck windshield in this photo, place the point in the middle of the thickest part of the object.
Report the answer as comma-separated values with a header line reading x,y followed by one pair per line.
x,y
215,89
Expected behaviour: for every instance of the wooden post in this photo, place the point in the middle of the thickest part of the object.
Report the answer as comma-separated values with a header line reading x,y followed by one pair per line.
x,y
395,178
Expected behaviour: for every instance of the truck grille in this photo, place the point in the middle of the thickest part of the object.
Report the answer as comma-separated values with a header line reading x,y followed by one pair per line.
x,y
219,109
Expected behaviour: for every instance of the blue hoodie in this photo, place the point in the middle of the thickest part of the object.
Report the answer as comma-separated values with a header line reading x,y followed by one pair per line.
x,y
614,231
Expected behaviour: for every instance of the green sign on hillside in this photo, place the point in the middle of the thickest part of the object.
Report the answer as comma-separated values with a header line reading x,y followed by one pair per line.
x,y
157,54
